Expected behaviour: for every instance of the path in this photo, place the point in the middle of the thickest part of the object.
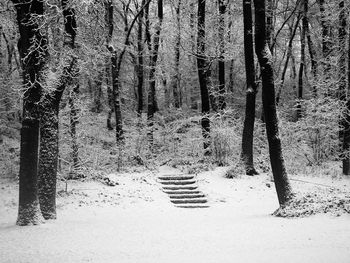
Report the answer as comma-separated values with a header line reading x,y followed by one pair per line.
x,y
183,190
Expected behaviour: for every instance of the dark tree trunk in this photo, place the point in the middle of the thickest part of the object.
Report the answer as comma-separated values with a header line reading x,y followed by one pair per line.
x,y
222,89
28,209
97,106
152,100
342,93
311,47
269,24
48,158
115,69
248,129
110,27
263,53
326,39
202,66
140,69
176,79
302,59
32,46
49,121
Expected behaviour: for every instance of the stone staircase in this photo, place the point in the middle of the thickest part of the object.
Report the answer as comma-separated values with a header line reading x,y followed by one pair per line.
x,y
183,191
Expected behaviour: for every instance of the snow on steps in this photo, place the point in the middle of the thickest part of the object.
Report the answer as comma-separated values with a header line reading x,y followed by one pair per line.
x,y
183,191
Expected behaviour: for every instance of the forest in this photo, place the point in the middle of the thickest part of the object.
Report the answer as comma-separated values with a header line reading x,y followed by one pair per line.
x,y
114,110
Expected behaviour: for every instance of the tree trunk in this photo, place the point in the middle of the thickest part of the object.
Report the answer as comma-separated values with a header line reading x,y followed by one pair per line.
x,y
49,120
32,46
263,53
75,168
311,47
270,24
326,40
222,88
248,129
342,93
202,66
97,106
302,59
140,69
176,79
152,100
28,210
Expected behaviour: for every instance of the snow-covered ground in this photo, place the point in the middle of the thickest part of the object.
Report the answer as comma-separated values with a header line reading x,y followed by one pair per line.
x,y
135,222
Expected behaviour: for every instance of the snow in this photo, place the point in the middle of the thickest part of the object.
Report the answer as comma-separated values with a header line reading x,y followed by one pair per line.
x,y
135,222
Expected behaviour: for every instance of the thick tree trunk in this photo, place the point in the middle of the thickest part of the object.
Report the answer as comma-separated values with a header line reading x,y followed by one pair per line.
x,y
48,158
222,87
49,120
152,100
28,206
32,46
202,66
248,129
176,79
263,53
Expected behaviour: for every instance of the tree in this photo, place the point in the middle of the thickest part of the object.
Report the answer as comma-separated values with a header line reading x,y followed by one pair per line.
x,y
32,46
222,90
202,66
152,103
248,130
263,53
176,79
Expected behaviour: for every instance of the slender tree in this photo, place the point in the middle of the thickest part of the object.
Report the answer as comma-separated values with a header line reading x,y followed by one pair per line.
x,y
152,103
342,92
304,7
176,79
202,66
221,89
263,53
140,69
248,128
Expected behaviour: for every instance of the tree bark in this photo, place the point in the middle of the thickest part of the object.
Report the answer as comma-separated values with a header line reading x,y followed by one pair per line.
x,y
176,79
263,53
248,128
302,58
48,155
28,207
342,92
222,87
32,46
152,100
140,75
202,66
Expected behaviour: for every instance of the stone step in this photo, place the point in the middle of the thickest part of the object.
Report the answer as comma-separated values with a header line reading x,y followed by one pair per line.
x,y
172,192
175,177
188,201
181,187
184,196
184,182
192,206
